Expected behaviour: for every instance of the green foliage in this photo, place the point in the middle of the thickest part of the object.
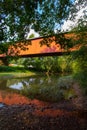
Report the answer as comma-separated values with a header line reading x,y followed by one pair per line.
x,y
80,72
17,17
12,69
51,15
51,91
49,64
31,36
65,63
65,82
17,61
44,16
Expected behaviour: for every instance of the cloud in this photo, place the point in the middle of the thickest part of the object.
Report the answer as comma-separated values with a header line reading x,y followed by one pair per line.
x,y
69,24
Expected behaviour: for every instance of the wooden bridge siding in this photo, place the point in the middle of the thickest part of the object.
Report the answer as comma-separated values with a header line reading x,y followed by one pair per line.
x,y
35,49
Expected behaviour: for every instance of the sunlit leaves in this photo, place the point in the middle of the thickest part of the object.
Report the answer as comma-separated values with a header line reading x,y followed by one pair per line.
x,y
51,15
15,16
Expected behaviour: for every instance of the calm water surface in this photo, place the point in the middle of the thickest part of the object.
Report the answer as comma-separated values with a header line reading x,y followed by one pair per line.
x,y
19,90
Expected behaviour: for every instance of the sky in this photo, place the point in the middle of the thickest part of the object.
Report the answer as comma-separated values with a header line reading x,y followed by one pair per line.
x,y
67,24
33,32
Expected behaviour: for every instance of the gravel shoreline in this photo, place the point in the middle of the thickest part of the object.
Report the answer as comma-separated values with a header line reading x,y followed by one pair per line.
x,y
25,114
42,117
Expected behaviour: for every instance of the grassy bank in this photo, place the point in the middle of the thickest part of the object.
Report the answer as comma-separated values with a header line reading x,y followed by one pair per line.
x,y
12,69
15,71
15,75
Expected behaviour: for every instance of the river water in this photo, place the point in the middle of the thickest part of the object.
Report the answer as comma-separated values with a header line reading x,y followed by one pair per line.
x,y
21,90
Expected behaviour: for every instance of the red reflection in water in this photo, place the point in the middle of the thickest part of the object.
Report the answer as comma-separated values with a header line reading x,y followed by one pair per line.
x,y
41,108
13,98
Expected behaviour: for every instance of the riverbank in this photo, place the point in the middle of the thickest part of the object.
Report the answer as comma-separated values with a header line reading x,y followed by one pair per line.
x,y
70,114
17,72
39,115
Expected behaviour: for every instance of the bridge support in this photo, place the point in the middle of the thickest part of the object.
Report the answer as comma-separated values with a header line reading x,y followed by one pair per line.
x,y
4,61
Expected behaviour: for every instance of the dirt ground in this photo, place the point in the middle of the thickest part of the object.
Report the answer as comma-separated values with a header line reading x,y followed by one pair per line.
x,y
38,115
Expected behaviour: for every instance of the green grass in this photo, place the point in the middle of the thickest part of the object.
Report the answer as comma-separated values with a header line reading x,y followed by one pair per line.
x,y
13,71
16,75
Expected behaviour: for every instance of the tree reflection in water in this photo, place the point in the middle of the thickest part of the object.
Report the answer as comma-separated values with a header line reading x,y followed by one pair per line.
x,y
36,87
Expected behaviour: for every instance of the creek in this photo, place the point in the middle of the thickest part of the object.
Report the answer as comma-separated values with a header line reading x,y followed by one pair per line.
x,y
20,90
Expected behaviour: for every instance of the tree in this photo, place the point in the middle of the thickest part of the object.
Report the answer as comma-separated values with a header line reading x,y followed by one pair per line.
x,y
15,18
80,57
31,36
18,16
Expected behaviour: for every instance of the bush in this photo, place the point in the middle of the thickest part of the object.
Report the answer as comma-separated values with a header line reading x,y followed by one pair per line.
x,y
80,72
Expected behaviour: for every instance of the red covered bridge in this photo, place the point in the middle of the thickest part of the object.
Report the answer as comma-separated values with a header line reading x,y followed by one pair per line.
x,y
42,46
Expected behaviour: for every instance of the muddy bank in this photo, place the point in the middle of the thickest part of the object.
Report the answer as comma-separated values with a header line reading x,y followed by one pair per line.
x,y
27,114
33,116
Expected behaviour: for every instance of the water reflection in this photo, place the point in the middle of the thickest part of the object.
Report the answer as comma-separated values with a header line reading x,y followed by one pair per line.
x,y
2,105
18,86
10,98
40,87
